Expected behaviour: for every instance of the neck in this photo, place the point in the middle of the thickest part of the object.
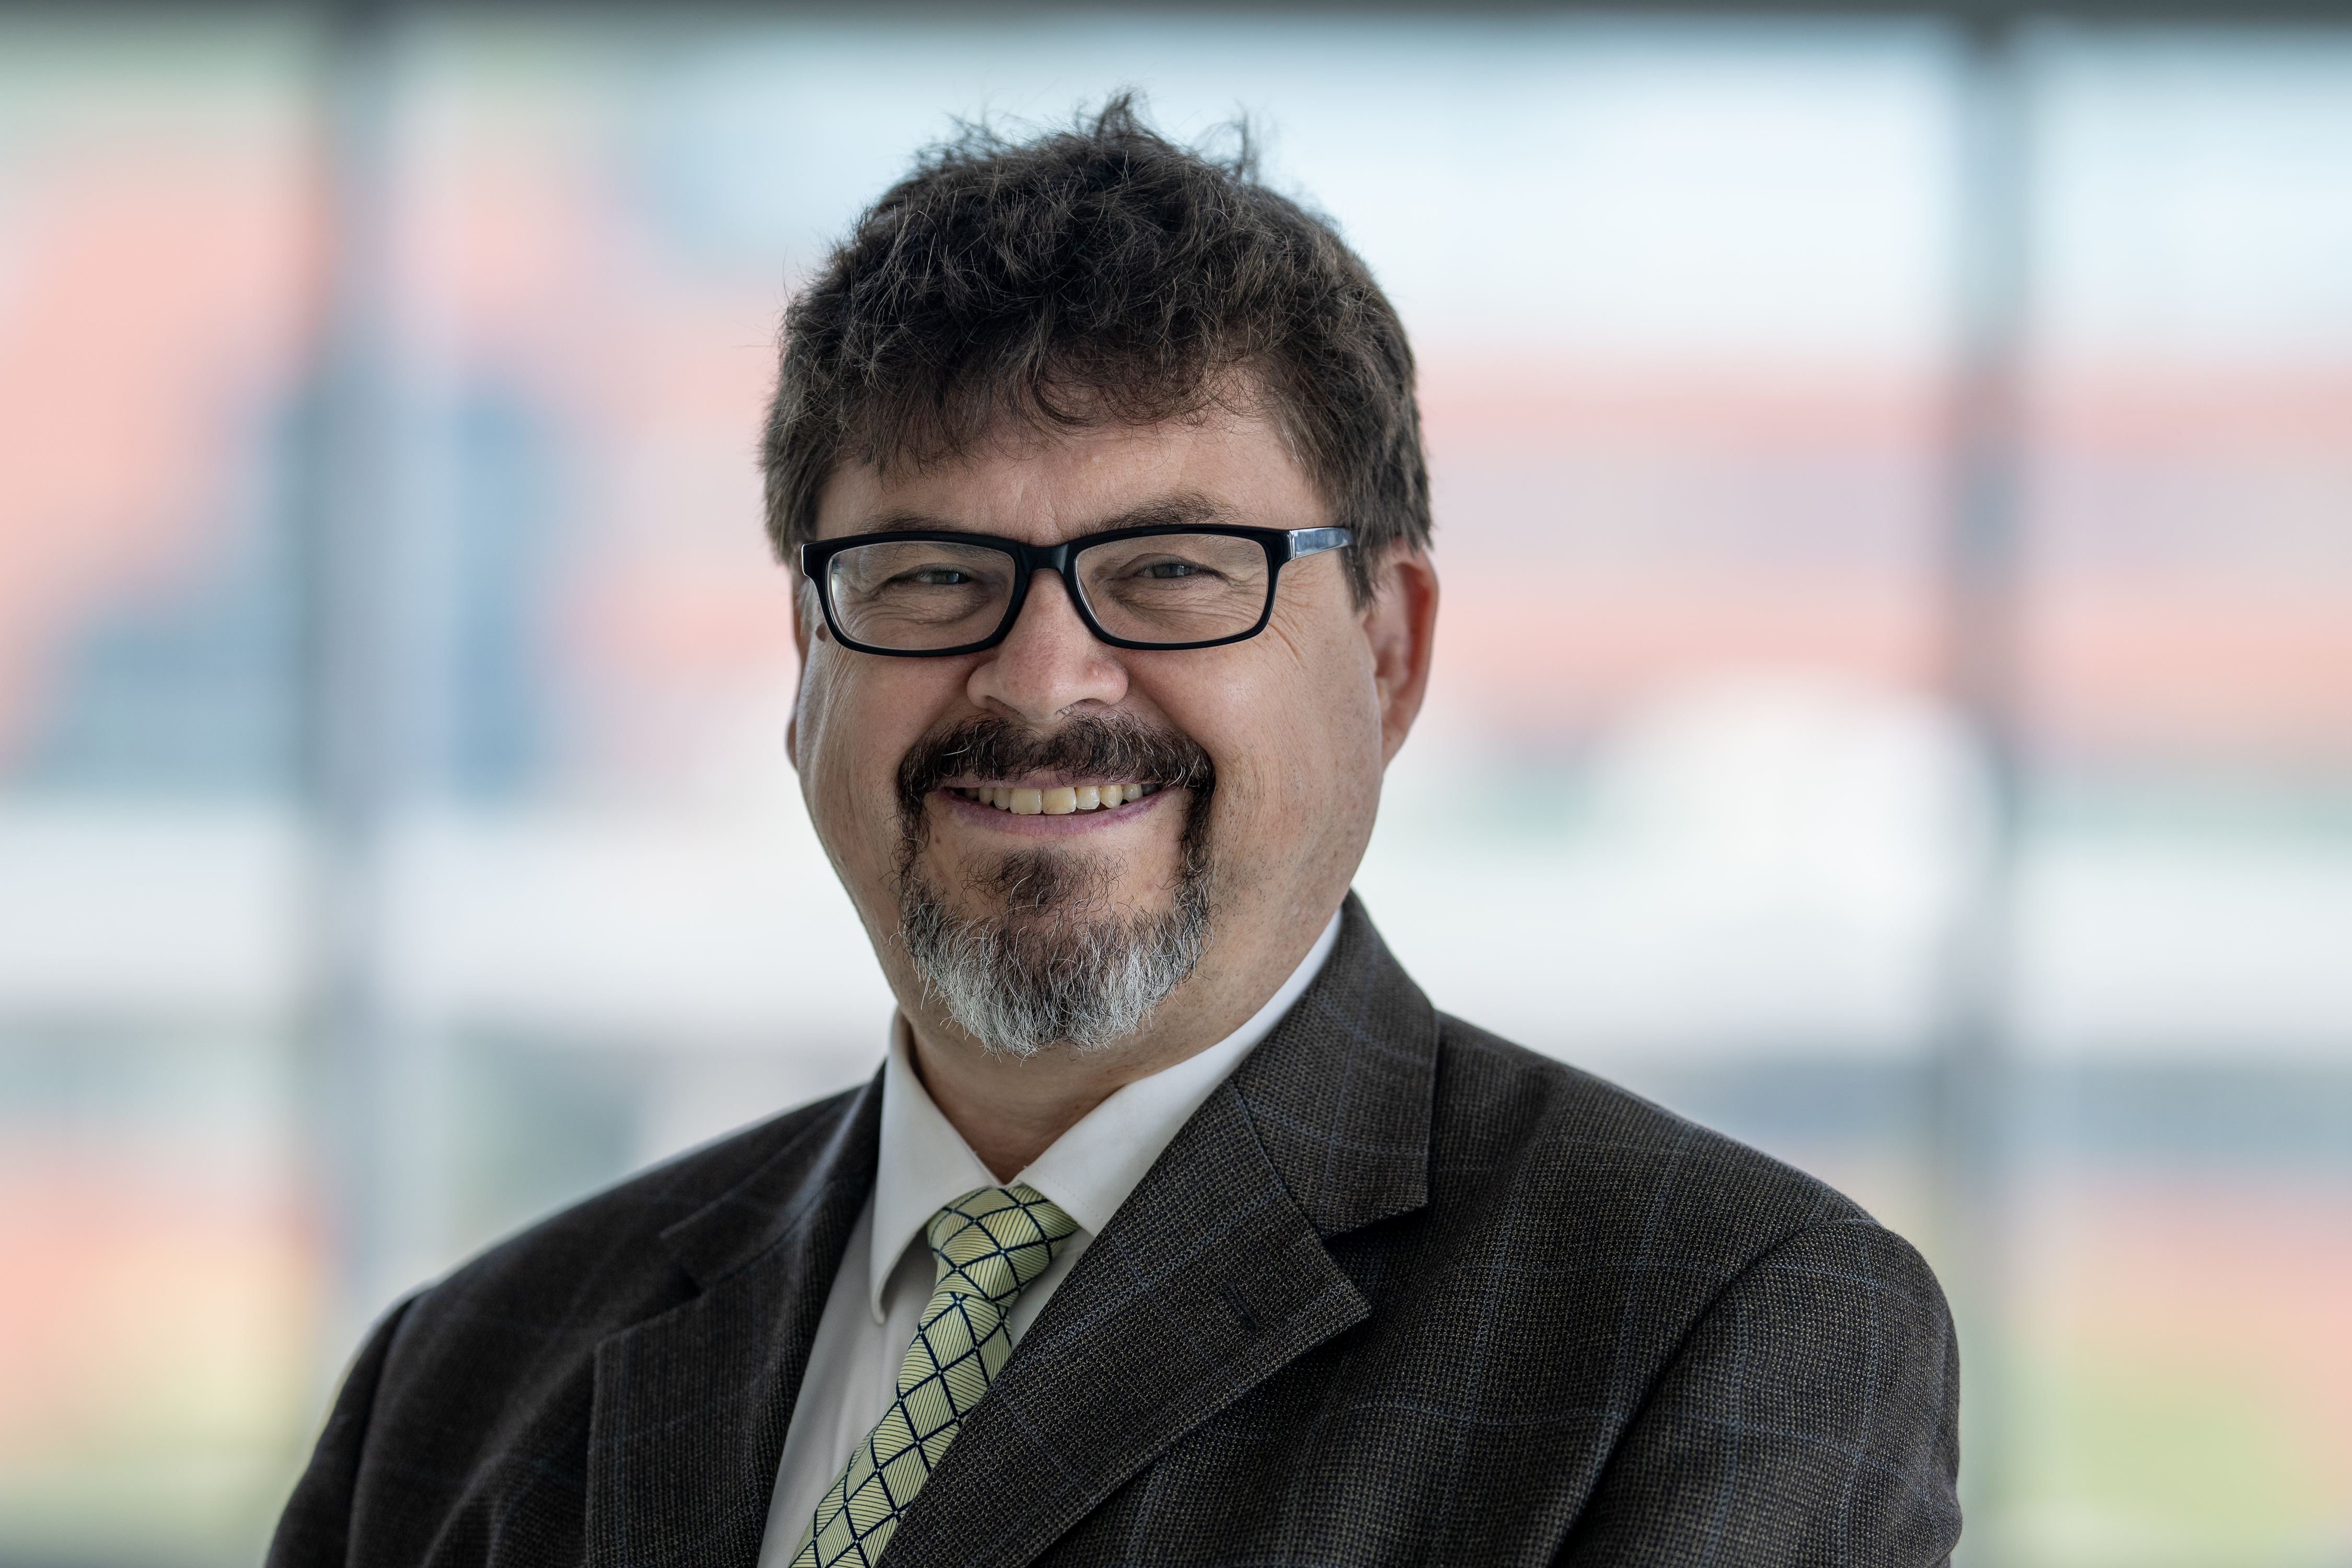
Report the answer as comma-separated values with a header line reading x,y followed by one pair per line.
x,y
1010,1110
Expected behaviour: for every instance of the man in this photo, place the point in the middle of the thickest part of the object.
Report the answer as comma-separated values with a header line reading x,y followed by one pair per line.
x,y
1177,1228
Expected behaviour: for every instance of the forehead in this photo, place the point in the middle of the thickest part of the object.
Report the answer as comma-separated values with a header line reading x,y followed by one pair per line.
x,y
1042,487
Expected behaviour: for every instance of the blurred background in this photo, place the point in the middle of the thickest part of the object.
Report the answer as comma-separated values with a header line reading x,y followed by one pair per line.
x,y
1894,474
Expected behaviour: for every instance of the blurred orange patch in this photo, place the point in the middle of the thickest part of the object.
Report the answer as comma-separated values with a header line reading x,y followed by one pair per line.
x,y
142,1301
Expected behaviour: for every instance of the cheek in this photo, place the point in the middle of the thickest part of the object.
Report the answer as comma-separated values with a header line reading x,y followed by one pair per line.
x,y
1298,743
848,763
815,724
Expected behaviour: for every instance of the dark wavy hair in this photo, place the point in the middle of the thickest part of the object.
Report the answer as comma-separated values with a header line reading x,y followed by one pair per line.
x,y
1100,273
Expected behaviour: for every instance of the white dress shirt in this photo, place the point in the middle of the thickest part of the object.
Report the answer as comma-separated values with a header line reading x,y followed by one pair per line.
x,y
885,1275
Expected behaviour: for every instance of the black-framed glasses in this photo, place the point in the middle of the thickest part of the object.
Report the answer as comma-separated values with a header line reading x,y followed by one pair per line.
x,y
929,593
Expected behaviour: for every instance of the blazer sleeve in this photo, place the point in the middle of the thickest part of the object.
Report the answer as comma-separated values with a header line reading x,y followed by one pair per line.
x,y
1812,1416
315,1530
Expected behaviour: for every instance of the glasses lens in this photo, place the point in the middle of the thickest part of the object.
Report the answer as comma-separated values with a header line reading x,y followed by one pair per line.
x,y
920,595
1176,588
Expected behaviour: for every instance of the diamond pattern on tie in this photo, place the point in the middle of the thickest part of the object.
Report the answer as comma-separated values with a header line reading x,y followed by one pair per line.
x,y
987,1246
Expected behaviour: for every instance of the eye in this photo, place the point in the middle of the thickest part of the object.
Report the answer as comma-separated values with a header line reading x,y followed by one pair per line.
x,y
1172,568
937,577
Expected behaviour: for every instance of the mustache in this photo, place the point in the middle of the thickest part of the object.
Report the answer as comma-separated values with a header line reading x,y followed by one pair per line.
x,y
1090,746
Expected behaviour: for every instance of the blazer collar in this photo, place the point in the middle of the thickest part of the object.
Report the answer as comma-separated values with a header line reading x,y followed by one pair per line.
x,y
1212,1278
1340,1092
690,1407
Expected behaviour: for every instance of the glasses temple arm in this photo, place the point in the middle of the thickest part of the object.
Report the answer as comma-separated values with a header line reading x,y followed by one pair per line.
x,y
1315,540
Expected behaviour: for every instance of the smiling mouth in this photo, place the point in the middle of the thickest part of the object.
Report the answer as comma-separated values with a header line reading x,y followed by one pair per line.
x,y
1060,801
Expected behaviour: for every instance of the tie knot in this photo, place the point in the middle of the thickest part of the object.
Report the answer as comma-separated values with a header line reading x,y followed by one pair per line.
x,y
992,1241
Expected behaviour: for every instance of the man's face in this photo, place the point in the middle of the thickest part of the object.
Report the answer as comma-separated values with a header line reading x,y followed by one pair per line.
x,y
1262,758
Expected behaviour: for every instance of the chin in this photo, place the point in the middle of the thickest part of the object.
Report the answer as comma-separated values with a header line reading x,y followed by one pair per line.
x,y
1040,954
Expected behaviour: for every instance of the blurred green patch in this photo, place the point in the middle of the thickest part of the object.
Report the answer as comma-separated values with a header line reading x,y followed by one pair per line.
x,y
2125,1464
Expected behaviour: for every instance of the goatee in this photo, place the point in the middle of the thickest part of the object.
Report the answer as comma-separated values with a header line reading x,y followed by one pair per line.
x,y
1052,959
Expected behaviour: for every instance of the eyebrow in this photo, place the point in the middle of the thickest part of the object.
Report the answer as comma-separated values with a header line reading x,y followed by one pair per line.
x,y
1183,510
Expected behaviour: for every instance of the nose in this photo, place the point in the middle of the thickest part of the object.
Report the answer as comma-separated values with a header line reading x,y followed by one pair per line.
x,y
1049,664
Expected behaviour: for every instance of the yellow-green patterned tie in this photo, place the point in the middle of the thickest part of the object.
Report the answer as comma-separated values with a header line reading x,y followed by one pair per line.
x,y
988,1244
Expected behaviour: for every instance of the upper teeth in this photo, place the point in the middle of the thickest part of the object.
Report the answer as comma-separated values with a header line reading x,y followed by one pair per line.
x,y
1059,802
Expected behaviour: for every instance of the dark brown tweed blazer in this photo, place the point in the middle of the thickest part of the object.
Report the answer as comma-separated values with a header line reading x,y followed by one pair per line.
x,y
1398,1293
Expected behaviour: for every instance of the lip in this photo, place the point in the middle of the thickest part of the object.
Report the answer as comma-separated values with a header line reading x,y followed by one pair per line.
x,y
1041,826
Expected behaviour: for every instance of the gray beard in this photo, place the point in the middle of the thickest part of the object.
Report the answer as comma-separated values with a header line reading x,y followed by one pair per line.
x,y
1054,965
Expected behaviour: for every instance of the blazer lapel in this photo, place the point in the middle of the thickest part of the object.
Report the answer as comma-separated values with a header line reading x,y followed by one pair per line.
x,y
691,1407
1212,1278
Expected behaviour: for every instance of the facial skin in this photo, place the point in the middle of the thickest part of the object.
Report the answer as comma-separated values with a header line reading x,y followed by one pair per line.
x,y
1300,722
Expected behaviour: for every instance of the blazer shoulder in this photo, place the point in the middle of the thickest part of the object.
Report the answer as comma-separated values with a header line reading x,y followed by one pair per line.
x,y
1621,1163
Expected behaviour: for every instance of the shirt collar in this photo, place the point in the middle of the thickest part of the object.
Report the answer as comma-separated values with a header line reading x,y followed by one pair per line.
x,y
1088,1171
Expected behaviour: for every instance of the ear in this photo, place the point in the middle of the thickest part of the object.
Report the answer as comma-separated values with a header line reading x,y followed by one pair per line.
x,y
1401,630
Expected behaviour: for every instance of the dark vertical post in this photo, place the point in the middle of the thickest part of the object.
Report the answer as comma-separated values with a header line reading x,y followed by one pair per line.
x,y
1973,1072
347,676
